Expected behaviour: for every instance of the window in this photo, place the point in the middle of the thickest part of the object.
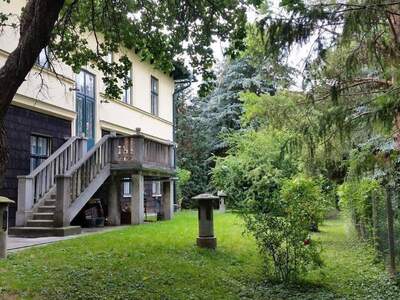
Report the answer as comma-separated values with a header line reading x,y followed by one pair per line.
x,y
127,94
85,105
43,58
156,189
40,150
126,188
154,96
109,58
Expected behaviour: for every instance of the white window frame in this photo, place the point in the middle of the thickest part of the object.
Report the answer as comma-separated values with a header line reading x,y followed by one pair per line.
x,y
155,96
156,189
127,93
126,189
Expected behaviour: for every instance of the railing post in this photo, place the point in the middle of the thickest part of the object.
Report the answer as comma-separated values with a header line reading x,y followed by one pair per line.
x,y
82,147
63,200
25,199
113,154
172,156
139,146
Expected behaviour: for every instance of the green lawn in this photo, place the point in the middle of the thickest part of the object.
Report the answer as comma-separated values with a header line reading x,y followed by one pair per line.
x,y
160,261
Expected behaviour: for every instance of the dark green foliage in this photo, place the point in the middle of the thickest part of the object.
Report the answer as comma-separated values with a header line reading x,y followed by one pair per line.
x,y
222,109
203,122
159,32
193,150
352,79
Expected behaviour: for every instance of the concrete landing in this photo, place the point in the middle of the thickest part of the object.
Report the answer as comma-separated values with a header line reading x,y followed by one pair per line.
x,y
20,243
39,231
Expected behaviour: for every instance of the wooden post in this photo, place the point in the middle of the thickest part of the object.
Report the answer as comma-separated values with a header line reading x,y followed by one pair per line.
x,y
375,222
392,251
26,191
138,146
63,200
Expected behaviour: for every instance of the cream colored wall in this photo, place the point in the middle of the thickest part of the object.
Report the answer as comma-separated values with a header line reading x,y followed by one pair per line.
x,y
125,118
56,98
41,91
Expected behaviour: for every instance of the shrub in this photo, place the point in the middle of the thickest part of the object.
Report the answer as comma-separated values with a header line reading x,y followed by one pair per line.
x,y
282,227
306,201
356,198
183,178
277,210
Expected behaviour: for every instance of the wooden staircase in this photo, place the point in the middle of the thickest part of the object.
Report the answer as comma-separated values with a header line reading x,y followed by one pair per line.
x,y
54,193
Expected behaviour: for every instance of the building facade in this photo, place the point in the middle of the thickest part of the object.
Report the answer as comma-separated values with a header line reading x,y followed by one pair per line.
x,y
63,132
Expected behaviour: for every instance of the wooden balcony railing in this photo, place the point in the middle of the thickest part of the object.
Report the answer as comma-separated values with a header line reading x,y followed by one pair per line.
x,y
138,149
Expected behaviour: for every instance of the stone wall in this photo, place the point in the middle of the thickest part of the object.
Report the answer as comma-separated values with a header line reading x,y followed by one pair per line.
x,y
20,124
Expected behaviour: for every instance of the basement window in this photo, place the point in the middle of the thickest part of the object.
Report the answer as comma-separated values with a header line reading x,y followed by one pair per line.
x,y
126,188
156,189
40,150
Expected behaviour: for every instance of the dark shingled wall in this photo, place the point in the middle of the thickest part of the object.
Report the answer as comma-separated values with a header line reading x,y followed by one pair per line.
x,y
20,123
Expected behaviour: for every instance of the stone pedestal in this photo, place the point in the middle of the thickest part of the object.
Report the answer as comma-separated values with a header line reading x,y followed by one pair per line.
x,y
222,196
4,202
137,201
206,237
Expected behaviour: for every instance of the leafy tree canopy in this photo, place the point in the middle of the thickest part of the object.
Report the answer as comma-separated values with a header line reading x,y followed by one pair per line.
x,y
160,32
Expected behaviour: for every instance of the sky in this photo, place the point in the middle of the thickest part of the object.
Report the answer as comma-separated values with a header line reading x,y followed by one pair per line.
x,y
296,58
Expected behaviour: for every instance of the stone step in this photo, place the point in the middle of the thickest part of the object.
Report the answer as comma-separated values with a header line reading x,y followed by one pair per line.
x,y
50,202
39,223
47,208
43,216
35,232
53,196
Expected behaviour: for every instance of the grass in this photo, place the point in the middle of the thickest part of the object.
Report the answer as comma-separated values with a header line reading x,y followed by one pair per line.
x,y
160,261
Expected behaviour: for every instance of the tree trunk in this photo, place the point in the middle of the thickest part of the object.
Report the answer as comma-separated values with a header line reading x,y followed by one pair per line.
x,y
37,22
393,18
